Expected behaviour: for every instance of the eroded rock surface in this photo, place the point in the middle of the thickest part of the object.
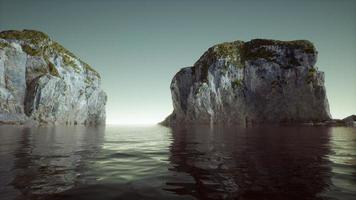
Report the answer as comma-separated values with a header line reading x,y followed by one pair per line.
x,y
43,82
260,81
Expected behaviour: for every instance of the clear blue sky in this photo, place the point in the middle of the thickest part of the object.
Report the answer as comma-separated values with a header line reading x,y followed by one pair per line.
x,y
138,46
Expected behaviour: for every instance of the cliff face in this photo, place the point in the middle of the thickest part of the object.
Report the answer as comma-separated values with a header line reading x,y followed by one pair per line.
x,y
260,81
41,81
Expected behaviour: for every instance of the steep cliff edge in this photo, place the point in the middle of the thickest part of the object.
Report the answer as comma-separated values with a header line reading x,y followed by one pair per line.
x,y
260,81
43,82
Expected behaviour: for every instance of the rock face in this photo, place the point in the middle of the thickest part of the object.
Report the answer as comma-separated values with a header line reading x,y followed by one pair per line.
x,y
350,120
43,82
260,81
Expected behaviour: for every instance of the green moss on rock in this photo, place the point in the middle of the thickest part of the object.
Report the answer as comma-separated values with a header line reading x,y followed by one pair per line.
x,y
4,44
236,83
32,36
52,69
40,70
260,48
232,52
310,76
304,45
237,53
61,50
68,60
228,48
32,51
88,68
88,80
42,45
261,52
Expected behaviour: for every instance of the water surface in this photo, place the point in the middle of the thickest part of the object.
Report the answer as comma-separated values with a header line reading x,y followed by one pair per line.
x,y
155,162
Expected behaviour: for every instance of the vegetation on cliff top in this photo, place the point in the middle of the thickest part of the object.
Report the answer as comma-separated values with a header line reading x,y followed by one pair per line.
x,y
3,44
304,45
232,51
36,43
30,36
238,52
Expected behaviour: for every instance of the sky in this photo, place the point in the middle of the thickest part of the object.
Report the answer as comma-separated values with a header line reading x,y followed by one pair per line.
x,y
138,46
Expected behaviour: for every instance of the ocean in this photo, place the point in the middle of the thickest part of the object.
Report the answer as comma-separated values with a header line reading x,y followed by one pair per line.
x,y
188,162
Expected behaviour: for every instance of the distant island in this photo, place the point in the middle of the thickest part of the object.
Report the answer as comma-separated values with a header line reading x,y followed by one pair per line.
x,y
41,82
256,82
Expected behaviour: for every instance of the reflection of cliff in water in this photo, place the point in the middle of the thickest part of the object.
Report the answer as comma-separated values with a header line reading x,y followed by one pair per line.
x,y
49,160
253,163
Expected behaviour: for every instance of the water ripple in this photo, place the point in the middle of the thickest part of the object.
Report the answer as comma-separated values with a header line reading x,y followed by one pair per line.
x,y
154,162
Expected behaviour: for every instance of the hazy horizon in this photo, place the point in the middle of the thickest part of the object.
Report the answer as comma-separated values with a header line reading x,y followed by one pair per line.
x,y
138,46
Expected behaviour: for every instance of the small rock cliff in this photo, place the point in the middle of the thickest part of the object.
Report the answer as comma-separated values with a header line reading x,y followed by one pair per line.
x,y
260,81
41,81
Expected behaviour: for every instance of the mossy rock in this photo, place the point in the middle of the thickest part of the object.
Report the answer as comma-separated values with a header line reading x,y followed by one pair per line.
x,y
88,80
52,69
32,51
32,36
304,45
60,49
259,53
228,51
310,76
68,60
258,49
231,51
42,45
237,83
238,52
4,45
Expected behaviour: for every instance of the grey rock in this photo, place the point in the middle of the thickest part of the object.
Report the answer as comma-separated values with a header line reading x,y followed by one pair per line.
x,y
260,81
350,121
42,82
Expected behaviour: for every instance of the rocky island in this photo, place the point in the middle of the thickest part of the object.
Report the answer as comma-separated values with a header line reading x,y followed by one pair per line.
x,y
254,82
42,82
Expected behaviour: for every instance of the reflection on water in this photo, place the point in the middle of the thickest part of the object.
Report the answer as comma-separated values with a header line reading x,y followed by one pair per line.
x,y
343,158
44,160
257,163
154,162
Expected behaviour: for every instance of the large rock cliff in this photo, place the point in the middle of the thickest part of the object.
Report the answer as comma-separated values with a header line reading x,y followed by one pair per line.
x,y
260,81
43,82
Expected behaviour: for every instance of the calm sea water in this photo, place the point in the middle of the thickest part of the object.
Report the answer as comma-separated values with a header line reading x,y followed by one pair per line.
x,y
154,162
